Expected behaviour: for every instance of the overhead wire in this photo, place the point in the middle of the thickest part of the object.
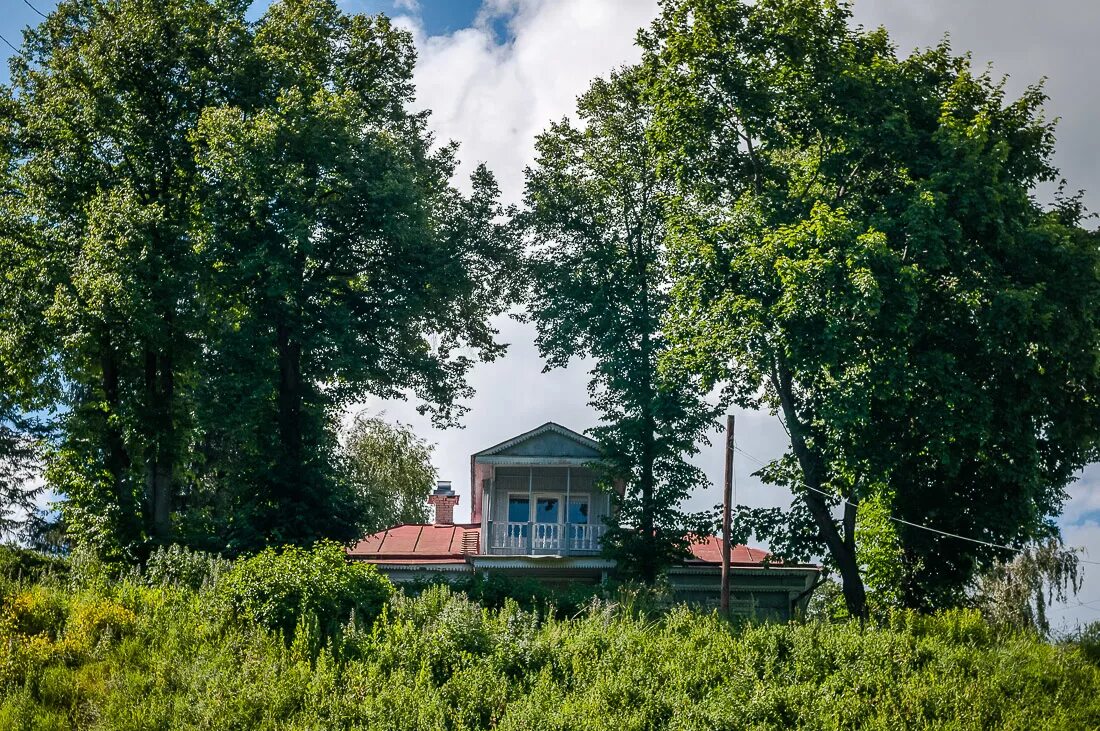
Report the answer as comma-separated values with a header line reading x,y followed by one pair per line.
x,y
911,524
28,4
9,44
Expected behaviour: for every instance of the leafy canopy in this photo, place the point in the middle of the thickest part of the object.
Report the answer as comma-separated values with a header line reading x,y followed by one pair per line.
x,y
216,234
856,246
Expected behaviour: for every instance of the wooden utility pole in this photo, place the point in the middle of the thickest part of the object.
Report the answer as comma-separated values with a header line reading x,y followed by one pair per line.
x,y
727,507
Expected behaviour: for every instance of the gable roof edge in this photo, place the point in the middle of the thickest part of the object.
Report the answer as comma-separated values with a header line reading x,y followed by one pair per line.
x,y
547,427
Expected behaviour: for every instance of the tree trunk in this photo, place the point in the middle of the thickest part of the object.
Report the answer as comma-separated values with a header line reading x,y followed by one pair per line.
x,y
841,547
160,453
290,405
117,459
650,567
166,458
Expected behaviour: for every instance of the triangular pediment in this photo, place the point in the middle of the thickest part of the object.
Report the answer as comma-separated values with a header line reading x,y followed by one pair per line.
x,y
548,441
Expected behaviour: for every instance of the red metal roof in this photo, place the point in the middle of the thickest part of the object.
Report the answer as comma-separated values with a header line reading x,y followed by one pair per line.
x,y
452,543
710,551
419,543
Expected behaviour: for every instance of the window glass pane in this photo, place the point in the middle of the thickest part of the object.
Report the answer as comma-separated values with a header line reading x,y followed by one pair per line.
x,y
546,510
578,510
518,510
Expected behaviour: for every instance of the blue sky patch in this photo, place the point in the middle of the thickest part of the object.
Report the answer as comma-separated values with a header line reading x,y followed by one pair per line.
x,y
439,17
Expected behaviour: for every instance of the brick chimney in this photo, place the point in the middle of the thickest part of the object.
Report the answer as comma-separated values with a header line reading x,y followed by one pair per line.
x,y
444,500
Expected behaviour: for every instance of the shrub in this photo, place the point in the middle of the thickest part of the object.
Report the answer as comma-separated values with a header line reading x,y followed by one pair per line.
x,y
177,566
277,588
1087,640
494,590
22,563
94,619
36,610
140,657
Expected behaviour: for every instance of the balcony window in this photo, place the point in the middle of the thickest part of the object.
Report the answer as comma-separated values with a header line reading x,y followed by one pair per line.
x,y
548,509
519,510
578,510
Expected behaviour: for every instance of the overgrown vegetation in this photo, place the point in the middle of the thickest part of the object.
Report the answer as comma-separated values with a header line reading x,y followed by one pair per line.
x,y
136,653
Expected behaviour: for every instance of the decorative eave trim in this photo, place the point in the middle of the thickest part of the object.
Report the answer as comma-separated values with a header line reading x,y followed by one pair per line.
x,y
461,567
541,562
547,427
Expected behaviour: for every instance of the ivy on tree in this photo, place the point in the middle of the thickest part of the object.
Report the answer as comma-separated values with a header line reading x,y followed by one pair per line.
x,y
856,246
596,219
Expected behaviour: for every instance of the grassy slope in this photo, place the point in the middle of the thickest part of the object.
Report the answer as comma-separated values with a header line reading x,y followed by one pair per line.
x,y
127,656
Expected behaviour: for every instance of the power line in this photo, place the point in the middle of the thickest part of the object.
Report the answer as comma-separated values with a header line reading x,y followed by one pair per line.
x,y
5,40
28,4
1074,605
906,522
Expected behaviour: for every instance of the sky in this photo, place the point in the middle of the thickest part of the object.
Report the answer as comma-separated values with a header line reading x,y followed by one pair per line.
x,y
496,72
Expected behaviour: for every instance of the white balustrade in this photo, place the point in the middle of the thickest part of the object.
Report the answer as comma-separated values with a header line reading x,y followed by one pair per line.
x,y
521,538
584,536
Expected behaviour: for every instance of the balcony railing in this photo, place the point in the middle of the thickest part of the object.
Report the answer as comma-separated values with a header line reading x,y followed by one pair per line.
x,y
545,538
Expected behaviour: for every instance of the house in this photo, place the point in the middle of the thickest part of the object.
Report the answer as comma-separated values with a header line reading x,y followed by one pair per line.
x,y
536,512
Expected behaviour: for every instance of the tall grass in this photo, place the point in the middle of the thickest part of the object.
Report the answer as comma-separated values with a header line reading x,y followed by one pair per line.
x,y
125,654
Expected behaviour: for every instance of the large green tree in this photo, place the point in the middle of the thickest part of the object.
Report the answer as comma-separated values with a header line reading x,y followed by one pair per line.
x,y
345,264
217,234
99,244
596,218
858,248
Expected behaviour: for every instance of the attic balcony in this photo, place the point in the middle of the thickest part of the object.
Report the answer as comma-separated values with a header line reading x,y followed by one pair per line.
x,y
532,538
538,494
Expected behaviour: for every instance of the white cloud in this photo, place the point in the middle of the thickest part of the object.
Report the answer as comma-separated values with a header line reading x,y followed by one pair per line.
x,y
494,98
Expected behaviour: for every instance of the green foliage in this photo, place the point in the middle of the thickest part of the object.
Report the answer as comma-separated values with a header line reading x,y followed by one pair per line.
x,y
278,588
392,469
495,590
138,657
1087,640
20,452
16,563
1017,592
100,263
599,290
178,566
880,555
217,233
344,265
855,246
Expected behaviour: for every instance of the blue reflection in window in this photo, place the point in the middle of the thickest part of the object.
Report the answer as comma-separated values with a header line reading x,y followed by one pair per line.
x,y
546,510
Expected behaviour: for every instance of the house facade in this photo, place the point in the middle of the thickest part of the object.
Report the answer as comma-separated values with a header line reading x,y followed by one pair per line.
x,y
537,512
